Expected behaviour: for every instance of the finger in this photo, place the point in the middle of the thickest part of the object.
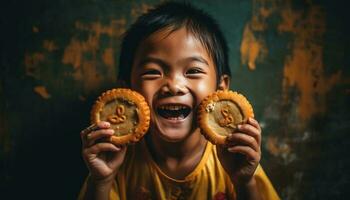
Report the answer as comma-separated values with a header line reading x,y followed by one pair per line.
x,y
91,128
87,130
103,124
250,130
102,147
117,157
242,139
255,123
94,127
99,134
250,154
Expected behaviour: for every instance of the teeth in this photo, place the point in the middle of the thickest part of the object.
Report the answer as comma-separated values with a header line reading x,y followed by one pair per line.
x,y
172,107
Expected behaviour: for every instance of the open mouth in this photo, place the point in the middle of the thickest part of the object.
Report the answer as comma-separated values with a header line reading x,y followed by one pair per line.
x,y
174,111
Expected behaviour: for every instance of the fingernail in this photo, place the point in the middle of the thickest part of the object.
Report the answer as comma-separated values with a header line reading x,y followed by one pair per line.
x,y
105,124
232,150
111,131
239,126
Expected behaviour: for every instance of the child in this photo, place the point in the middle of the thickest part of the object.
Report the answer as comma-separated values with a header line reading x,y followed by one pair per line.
x,y
175,55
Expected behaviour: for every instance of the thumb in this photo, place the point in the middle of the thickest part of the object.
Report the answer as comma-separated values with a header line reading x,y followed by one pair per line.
x,y
118,157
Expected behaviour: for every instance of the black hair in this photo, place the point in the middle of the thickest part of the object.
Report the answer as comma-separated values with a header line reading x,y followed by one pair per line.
x,y
175,15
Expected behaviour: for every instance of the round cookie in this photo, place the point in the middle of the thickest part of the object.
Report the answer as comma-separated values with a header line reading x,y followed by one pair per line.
x,y
126,111
220,113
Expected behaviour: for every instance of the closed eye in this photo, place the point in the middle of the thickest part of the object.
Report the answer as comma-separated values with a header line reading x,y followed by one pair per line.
x,y
195,71
150,74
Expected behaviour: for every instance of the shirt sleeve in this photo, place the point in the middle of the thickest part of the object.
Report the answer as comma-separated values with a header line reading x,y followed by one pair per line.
x,y
264,185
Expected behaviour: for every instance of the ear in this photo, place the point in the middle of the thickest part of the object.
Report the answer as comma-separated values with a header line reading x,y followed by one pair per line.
x,y
224,83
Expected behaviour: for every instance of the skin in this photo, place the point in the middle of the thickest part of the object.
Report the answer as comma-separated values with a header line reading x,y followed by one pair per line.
x,y
175,68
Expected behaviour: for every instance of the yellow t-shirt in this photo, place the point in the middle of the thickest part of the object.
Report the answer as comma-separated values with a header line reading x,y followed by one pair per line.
x,y
140,178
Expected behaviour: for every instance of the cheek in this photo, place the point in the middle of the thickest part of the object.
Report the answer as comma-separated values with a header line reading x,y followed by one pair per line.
x,y
147,89
203,89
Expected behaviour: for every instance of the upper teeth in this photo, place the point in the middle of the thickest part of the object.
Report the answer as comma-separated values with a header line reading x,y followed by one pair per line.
x,y
172,107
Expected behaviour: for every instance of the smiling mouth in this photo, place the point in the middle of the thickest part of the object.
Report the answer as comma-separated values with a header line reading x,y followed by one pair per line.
x,y
174,111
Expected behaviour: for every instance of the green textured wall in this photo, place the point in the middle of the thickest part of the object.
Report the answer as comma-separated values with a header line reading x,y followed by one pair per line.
x,y
288,57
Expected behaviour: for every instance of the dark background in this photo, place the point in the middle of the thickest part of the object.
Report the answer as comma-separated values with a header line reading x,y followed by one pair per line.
x,y
287,57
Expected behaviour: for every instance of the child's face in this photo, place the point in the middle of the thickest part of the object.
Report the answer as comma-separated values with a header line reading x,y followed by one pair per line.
x,y
174,72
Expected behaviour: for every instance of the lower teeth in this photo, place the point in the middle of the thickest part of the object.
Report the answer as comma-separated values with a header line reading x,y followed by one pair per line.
x,y
176,118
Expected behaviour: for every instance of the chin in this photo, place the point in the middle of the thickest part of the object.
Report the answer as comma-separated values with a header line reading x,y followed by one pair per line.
x,y
171,134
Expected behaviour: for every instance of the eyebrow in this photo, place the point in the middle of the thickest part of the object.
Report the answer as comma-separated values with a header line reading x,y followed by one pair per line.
x,y
153,60
198,58
162,63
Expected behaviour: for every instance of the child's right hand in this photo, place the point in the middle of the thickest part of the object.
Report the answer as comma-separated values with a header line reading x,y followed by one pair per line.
x,y
102,158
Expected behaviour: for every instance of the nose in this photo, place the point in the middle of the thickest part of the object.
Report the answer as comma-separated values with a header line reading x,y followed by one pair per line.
x,y
174,86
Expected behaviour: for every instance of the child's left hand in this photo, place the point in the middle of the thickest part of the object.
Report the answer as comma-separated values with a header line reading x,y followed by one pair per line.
x,y
241,155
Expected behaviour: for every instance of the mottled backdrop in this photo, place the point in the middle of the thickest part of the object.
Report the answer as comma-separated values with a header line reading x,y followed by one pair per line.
x,y
288,57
